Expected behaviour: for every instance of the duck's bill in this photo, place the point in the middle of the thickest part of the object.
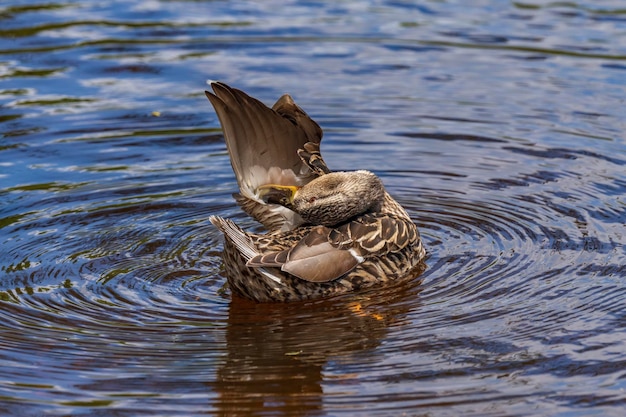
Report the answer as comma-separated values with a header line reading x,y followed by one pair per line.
x,y
277,194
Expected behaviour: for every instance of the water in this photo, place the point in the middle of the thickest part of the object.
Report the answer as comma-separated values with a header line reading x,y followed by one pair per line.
x,y
498,125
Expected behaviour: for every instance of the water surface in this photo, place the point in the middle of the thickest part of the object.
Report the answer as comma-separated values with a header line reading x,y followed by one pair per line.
x,y
498,125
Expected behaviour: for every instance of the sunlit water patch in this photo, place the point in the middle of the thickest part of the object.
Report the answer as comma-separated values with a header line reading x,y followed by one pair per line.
x,y
498,126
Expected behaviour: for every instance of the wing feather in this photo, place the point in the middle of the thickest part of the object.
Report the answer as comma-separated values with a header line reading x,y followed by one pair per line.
x,y
263,145
325,254
324,267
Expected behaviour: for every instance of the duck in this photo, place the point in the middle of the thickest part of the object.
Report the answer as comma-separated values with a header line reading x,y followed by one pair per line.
x,y
327,232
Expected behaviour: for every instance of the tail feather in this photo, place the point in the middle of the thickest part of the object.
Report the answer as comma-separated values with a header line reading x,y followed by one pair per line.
x,y
242,241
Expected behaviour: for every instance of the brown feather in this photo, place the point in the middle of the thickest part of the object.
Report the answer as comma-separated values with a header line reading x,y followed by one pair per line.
x,y
258,135
313,258
324,267
362,238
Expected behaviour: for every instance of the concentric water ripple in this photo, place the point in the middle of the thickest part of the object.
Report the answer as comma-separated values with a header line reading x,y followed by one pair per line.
x,y
137,287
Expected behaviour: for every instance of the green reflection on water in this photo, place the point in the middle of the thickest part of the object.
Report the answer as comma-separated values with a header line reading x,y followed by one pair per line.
x,y
54,102
16,218
12,10
48,186
569,5
18,266
33,72
34,30
23,132
13,295
9,117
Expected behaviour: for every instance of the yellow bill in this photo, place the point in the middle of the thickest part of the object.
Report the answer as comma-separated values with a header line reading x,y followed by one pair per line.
x,y
278,194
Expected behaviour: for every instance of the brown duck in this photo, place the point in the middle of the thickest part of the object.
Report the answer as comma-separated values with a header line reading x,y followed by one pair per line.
x,y
328,232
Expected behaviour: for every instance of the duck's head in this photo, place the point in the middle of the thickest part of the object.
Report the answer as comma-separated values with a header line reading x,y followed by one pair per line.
x,y
329,199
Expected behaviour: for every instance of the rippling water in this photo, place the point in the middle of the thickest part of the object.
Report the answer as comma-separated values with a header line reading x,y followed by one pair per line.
x,y
498,125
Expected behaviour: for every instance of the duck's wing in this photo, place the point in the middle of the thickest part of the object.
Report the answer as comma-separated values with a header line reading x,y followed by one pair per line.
x,y
311,156
264,147
325,254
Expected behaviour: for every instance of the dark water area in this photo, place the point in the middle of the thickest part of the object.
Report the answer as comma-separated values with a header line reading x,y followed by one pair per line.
x,y
499,125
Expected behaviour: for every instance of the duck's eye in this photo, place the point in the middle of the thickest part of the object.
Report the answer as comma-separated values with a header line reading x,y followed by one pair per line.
x,y
312,200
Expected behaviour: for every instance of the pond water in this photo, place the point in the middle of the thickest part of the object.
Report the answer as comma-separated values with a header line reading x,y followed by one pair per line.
x,y
499,125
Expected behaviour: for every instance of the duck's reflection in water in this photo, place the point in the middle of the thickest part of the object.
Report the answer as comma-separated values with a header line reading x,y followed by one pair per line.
x,y
276,353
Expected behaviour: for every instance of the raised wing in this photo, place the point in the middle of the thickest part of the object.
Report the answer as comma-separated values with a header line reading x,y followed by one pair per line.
x,y
263,145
